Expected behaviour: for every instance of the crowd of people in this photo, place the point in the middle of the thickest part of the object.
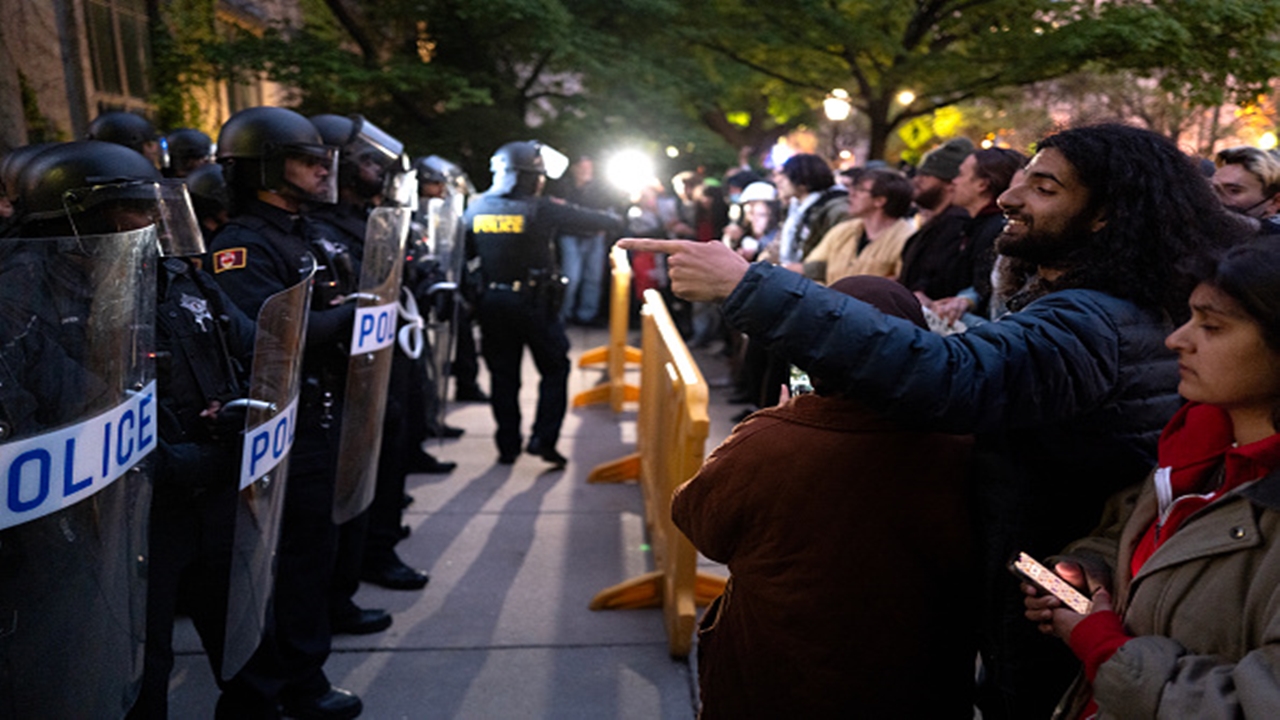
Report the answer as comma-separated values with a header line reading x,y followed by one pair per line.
x,y
1000,348
1049,332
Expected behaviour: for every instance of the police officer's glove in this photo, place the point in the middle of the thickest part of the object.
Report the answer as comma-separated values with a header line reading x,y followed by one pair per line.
x,y
227,423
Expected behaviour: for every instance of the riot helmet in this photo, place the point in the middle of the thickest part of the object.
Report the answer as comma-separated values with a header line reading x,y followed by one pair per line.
x,y
428,171
13,162
91,187
209,196
130,130
277,150
520,166
10,166
185,149
373,162
455,177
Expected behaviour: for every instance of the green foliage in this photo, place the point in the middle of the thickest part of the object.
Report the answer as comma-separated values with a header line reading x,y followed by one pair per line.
x,y
179,39
1207,51
40,128
460,78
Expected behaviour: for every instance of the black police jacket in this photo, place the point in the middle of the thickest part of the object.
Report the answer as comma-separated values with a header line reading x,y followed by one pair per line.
x,y
204,354
514,236
204,347
263,251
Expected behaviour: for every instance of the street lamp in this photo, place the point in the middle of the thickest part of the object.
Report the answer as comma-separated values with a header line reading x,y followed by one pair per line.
x,y
906,97
837,106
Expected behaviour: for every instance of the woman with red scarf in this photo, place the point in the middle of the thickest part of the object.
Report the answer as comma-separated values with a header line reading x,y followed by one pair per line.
x,y
1190,626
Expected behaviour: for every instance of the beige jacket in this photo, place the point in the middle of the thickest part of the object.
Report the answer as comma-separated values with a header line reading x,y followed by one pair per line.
x,y
1204,610
837,256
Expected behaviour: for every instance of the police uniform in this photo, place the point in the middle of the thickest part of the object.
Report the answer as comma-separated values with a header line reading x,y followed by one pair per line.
x,y
258,253
520,292
376,531
204,349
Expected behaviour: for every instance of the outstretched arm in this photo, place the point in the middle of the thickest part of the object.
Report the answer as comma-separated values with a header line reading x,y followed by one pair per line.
x,y
700,272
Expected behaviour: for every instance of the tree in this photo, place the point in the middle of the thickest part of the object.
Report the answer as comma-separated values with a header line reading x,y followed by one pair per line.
x,y
949,51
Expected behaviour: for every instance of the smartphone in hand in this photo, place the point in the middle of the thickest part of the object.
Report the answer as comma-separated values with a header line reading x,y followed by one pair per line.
x,y
799,383
1026,567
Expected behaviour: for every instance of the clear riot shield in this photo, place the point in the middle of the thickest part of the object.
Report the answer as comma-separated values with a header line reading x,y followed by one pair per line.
x,y
270,424
369,369
446,234
77,419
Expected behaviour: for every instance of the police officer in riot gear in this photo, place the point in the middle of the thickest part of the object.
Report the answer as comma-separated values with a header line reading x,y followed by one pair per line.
x,y
370,162
75,315
130,130
275,161
185,150
203,344
511,229
439,179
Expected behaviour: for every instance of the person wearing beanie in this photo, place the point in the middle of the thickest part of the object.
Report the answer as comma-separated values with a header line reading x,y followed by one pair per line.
x,y
933,262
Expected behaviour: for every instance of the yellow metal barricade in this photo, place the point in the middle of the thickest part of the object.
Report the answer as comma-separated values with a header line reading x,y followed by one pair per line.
x,y
672,436
617,353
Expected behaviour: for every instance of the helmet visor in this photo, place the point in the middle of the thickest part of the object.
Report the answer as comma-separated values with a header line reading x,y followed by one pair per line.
x,y
554,160
131,205
401,188
371,142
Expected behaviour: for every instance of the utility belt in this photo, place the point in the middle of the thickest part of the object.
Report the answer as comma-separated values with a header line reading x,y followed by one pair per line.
x,y
544,288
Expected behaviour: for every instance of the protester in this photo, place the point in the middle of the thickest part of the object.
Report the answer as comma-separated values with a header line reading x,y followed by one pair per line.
x,y
1248,181
1067,394
934,263
1187,628
815,204
984,176
871,241
821,616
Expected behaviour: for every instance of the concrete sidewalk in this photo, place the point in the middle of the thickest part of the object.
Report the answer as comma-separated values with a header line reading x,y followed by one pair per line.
x,y
515,554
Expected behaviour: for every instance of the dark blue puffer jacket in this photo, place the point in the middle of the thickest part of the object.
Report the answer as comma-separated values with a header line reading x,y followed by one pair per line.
x,y
1067,398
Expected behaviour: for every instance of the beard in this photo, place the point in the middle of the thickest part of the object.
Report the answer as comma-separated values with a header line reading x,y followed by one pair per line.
x,y
1044,247
932,198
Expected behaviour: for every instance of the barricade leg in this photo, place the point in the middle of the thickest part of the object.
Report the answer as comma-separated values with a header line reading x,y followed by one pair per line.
x,y
620,470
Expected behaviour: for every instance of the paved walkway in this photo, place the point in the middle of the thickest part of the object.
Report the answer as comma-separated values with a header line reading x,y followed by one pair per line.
x,y
515,554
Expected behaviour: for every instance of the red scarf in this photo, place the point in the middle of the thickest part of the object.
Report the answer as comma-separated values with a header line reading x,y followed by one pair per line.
x,y
1195,446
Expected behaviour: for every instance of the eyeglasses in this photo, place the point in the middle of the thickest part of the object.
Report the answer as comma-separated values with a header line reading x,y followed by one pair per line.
x,y
860,189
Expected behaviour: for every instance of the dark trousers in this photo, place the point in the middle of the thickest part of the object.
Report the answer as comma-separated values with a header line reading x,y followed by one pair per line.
x,y
290,660
190,555
403,428
466,363
510,321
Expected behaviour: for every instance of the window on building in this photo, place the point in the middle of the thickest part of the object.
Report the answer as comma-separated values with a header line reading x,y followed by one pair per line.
x,y
120,46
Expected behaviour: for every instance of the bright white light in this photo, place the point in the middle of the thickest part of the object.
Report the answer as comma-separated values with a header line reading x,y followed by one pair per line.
x,y
779,154
837,106
1267,141
673,151
629,171
906,97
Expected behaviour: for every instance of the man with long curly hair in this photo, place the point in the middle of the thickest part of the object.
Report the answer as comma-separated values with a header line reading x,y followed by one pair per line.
x,y
1066,394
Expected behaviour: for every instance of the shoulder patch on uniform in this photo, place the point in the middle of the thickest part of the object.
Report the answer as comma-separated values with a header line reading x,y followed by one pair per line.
x,y
230,259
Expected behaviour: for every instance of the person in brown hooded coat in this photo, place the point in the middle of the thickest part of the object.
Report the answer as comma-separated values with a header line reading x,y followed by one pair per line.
x,y
842,531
